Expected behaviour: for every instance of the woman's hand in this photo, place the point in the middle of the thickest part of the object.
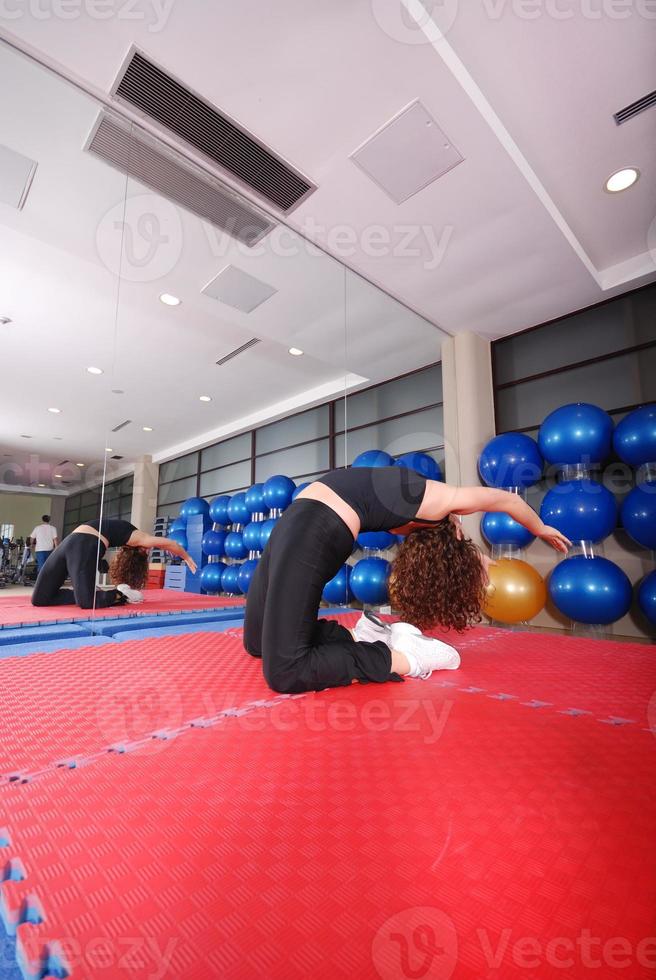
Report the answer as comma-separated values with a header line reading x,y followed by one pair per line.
x,y
553,537
486,562
189,562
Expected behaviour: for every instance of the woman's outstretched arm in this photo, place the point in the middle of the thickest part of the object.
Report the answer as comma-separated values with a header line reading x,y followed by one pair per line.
x,y
471,500
139,539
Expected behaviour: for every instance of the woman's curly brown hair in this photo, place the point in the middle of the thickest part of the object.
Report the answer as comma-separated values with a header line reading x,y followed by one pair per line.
x,y
437,579
129,566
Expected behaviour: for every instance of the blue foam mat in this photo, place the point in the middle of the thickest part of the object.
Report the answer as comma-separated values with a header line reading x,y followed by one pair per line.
x,y
195,628
28,634
110,627
52,646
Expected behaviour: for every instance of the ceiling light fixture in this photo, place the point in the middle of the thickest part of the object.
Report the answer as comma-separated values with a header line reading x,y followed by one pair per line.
x,y
169,300
296,352
4,320
108,450
55,411
40,484
94,370
147,428
79,464
621,180
205,398
58,476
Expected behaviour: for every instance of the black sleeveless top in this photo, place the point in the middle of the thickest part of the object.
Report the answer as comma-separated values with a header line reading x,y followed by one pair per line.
x,y
116,531
383,497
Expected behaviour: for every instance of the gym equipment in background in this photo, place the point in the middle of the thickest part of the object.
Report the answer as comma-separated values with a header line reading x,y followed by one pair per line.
x,y
213,543
219,510
210,577
516,592
499,530
634,439
647,596
254,500
299,489
639,514
582,510
576,434
265,531
369,581
234,546
376,540
245,574
373,457
251,535
421,463
230,580
338,591
278,492
193,506
238,513
511,460
594,591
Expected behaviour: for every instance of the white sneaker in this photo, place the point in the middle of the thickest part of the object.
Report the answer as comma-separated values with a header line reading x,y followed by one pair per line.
x,y
425,654
130,594
371,629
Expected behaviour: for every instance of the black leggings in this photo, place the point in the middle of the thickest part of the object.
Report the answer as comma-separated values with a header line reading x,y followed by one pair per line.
x,y
308,546
77,556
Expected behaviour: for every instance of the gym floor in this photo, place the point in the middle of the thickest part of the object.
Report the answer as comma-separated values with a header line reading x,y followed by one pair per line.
x,y
164,814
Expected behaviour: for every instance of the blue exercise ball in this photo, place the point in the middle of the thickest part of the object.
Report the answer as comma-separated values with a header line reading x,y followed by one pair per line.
x,y
180,537
634,440
581,509
213,543
266,527
254,498
579,433
179,524
210,577
251,535
647,596
278,492
238,512
246,572
510,460
193,506
376,540
338,590
219,509
590,590
299,489
230,580
421,463
499,528
374,457
639,514
369,581
234,545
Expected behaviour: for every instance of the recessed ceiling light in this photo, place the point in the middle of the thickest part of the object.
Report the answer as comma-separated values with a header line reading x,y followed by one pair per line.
x,y
147,428
296,351
621,180
94,370
55,411
205,398
108,450
79,464
58,476
169,300
117,391
40,484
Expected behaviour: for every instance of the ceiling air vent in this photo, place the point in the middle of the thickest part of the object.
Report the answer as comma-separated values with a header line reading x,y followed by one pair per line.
x,y
122,425
629,111
167,173
160,97
116,457
63,462
239,350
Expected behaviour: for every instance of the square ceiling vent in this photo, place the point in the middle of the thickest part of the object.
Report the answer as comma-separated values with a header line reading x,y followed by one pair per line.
x,y
16,175
407,154
238,289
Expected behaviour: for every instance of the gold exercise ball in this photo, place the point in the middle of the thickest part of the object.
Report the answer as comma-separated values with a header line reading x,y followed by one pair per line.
x,y
515,592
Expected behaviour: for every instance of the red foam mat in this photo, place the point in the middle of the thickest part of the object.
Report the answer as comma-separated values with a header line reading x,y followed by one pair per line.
x,y
397,830
18,609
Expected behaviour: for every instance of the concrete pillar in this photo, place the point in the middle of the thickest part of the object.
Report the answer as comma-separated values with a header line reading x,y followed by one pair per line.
x,y
144,497
468,411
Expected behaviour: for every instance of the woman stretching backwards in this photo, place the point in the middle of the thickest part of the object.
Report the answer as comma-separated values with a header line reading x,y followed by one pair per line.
x,y
438,577
79,555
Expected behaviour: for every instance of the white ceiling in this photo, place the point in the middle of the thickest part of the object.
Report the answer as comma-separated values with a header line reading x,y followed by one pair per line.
x,y
519,233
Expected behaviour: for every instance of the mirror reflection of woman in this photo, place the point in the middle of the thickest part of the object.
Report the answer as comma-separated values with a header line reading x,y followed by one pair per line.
x,y
79,555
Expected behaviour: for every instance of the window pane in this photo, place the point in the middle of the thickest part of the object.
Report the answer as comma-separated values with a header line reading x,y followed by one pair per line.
x,y
628,379
226,452
291,462
166,510
175,469
624,323
111,508
89,513
88,497
225,479
177,491
287,432
403,395
417,432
